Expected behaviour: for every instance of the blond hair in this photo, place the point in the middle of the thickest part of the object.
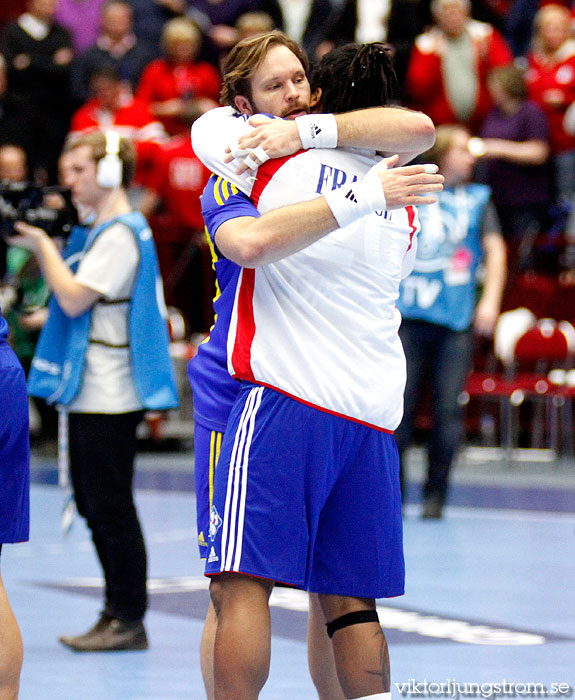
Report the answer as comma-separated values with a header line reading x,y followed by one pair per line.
x,y
540,17
178,29
251,23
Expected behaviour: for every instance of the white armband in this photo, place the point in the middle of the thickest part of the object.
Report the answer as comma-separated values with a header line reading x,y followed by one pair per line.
x,y
317,130
351,202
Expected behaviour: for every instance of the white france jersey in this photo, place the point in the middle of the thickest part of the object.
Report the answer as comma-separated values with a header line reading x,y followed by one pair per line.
x,y
321,325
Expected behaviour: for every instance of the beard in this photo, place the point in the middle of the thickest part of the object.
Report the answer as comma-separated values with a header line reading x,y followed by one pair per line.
x,y
296,110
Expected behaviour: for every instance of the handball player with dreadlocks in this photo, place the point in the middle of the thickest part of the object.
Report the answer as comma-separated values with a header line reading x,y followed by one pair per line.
x,y
314,339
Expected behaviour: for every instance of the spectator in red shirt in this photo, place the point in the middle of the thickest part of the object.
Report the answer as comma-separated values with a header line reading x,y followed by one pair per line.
x,y
171,203
551,84
447,72
176,83
112,106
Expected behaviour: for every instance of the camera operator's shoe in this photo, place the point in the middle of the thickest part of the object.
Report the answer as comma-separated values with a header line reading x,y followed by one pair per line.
x,y
109,634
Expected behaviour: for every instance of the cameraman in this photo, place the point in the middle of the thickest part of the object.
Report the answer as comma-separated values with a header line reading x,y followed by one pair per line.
x,y
103,357
25,286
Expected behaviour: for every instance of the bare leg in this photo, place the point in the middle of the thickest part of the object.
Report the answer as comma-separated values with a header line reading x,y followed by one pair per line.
x,y
207,651
320,656
243,636
11,650
360,650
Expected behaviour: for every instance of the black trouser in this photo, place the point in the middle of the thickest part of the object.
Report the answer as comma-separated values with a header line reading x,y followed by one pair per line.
x,y
102,453
445,356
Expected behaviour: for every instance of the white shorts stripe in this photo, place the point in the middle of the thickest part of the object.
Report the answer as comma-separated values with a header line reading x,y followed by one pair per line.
x,y
226,518
232,495
244,486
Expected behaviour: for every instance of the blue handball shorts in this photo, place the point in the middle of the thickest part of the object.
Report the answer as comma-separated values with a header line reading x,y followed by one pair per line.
x,y
207,445
14,450
306,498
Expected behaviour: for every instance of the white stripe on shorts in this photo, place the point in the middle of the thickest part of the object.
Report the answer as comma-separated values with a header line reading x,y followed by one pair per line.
x,y
244,487
237,483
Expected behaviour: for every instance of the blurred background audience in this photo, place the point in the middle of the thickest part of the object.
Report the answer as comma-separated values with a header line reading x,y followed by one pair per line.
x,y
503,69
81,19
111,105
306,21
38,53
150,16
116,45
177,84
515,151
449,64
551,81
13,128
171,203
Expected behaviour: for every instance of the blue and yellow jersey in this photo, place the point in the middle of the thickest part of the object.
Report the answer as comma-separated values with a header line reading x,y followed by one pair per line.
x,y
214,389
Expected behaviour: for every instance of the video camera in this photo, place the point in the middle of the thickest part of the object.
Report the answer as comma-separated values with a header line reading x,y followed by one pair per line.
x,y
22,201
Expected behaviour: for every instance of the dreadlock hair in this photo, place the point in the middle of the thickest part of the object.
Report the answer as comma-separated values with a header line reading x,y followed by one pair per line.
x,y
355,76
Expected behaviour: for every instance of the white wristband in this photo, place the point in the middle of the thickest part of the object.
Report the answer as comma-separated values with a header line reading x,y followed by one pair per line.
x,y
351,202
317,130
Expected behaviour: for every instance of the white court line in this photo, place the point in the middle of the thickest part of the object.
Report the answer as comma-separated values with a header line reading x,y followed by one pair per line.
x,y
409,621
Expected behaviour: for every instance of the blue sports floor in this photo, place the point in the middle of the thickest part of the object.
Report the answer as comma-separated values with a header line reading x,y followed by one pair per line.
x,y
490,592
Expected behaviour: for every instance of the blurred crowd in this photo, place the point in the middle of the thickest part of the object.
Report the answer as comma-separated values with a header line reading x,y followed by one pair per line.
x,y
503,69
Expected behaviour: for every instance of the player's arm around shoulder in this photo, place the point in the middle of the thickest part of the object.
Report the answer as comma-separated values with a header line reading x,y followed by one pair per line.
x,y
251,242
387,129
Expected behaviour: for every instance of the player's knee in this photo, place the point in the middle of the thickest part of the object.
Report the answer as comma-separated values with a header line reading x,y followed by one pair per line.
x,y
335,606
217,593
231,591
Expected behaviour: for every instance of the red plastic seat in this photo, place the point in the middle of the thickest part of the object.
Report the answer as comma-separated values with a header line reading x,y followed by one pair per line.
x,y
561,303
545,346
531,290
